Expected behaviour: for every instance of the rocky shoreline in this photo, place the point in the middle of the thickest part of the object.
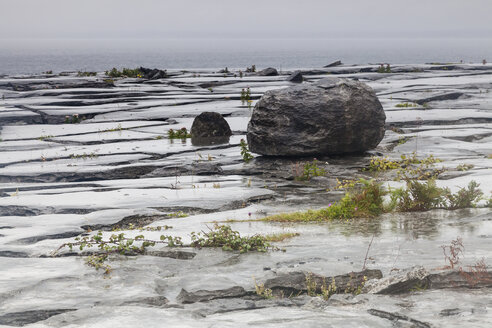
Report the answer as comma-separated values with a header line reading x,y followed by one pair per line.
x,y
86,153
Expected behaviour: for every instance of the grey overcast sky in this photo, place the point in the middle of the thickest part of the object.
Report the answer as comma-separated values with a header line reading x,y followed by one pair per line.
x,y
244,18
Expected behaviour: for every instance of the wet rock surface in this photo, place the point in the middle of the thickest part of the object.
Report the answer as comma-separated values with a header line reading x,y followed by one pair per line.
x,y
331,116
117,171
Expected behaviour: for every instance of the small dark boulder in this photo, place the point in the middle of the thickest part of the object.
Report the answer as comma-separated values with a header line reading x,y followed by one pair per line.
x,y
153,74
331,116
270,71
295,77
210,124
334,64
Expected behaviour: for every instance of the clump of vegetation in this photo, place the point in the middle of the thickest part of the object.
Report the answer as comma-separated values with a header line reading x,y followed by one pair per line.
x,y
81,74
402,140
84,156
310,170
178,134
384,69
418,196
406,105
251,69
179,214
465,167
117,128
409,167
363,199
424,196
115,244
464,197
43,137
383,163
125,72
229,240
245,95
74,119
366,199
352,287
245,153
262,291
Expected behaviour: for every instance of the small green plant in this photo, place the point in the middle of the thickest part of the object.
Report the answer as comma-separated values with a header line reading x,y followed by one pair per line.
x,y
178,134
117,128
310,285
178,214
406,105
328,291
465,167
84,156
418,196
74,119
245,96
311,169
402,140
384,69
355,289
464,197
229,240
245,153
262,291
80,73
44,137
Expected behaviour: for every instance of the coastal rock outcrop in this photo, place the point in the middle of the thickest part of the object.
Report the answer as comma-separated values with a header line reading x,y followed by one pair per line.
x,y
332,116
153,74
270,71
295,77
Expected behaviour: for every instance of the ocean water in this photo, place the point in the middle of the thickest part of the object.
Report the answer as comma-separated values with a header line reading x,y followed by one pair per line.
x,y
34,56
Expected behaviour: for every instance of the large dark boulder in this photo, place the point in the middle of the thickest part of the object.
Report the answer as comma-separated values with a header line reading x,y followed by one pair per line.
x,y
331,116
270,71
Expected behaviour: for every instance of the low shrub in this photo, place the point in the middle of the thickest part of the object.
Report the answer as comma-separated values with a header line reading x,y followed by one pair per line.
x,y
245,153
229,240
310,170
125,72
363,199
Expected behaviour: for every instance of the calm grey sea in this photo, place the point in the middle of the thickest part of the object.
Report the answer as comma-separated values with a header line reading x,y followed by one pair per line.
x,y
34,56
